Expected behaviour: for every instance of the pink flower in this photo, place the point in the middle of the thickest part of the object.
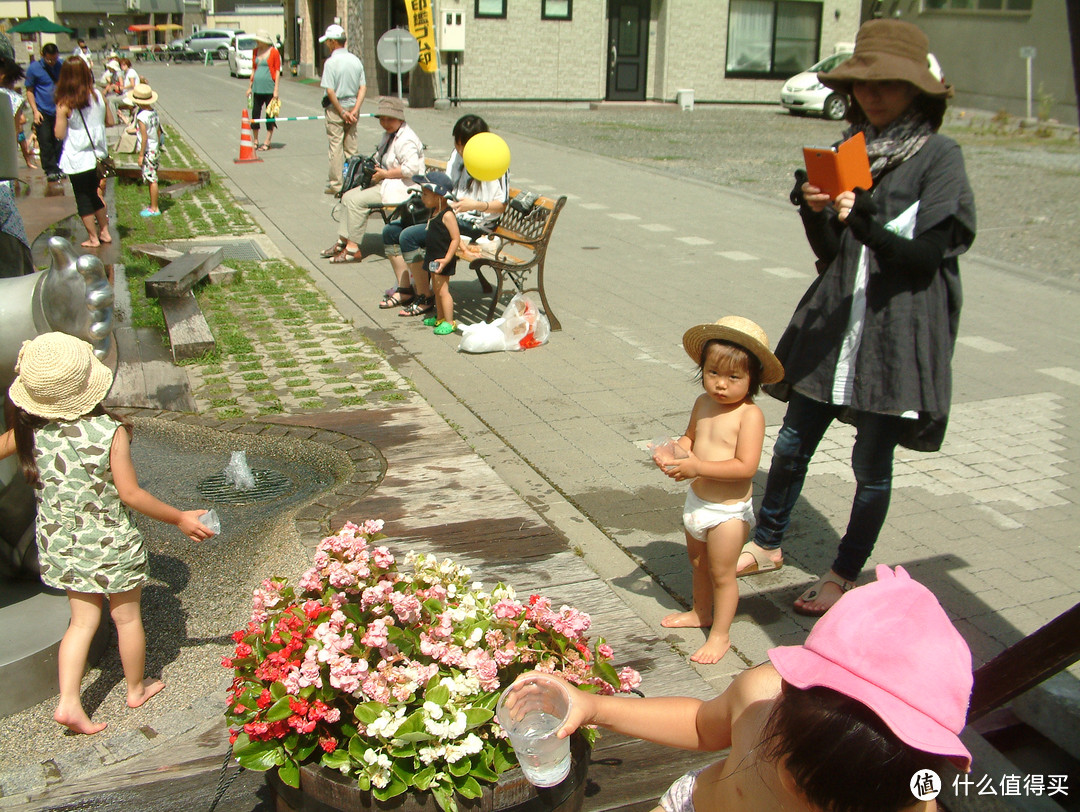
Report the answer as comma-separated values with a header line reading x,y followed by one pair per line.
x,y
605,651
382,558
629,679
507,609
375,636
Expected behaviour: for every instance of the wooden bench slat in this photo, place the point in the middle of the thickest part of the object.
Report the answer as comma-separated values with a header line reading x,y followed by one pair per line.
x,y
189,334
181,275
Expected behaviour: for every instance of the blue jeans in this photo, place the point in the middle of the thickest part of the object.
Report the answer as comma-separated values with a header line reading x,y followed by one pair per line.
x,y
413,239
871,460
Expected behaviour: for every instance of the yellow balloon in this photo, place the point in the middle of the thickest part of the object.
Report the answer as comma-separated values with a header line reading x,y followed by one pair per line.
x,y
486,156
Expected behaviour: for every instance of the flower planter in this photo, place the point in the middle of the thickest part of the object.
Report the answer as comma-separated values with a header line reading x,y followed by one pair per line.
x,y
323,790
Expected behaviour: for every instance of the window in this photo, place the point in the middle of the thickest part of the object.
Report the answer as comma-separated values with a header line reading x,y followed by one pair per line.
x,y
772,39
557,10
985,6
491,8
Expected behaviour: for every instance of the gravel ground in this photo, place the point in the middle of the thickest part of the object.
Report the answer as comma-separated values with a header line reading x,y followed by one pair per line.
x,y
1026,187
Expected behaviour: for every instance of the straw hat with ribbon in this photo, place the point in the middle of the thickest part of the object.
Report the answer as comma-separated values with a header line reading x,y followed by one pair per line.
x,y
263,37
888,50
58,377
142,95
736,330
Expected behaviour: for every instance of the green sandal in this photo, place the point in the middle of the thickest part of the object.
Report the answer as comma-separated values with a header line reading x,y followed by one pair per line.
x,y
444,328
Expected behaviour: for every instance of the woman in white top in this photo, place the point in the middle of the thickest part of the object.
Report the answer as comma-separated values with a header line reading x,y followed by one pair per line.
x,y
81,118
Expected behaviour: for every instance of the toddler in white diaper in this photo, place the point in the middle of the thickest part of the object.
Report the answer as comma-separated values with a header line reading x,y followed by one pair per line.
x,y
723,443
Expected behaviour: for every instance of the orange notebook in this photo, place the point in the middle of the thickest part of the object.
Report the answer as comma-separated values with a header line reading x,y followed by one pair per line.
x,y
839,170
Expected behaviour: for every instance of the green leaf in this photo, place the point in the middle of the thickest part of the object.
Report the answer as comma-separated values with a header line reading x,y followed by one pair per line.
x,y
413,724
357,747
336,760
422,780
607,673
402,750
241,742
368,712
482,772
460,767
304,750
503,760
279,710
469,787
445,798
289,773
260,756
418,736
277,690
307,691
439,695
391,790
474,717
292,738
433,605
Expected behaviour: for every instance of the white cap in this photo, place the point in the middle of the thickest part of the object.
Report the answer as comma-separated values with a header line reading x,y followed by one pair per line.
x,y
334,32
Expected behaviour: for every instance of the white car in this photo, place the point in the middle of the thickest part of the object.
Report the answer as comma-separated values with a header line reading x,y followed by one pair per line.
x,y
241,50
803,93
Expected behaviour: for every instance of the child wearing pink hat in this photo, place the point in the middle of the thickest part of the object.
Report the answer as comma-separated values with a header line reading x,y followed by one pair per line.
x,y
846,722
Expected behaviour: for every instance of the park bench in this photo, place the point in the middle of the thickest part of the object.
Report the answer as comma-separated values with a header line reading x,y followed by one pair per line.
x,y
516,248
189,334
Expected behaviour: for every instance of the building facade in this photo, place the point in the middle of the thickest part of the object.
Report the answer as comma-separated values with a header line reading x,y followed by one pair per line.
x,y
594,50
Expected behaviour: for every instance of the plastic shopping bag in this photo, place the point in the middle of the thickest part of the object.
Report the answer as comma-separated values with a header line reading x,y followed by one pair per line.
x,y
520,327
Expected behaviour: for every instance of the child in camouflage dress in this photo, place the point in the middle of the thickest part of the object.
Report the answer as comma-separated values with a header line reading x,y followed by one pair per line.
x,y
73,453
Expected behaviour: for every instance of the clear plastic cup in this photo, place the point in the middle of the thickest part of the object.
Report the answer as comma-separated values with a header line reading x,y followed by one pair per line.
x,y
211,521
531,711
667,450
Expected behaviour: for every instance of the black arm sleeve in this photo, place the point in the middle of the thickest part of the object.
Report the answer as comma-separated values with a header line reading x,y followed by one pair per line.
x,y
919,256
822,230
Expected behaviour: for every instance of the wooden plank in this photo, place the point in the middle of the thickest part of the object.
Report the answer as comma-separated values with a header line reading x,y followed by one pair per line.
x,y
181,275
132,171
145,375
189,334
159,253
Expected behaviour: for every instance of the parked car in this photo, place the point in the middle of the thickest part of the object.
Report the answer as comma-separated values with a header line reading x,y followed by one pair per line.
x,y
241,50
803,93
214,40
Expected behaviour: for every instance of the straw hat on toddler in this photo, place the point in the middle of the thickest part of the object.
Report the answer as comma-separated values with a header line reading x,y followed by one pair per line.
x,y
58,377
736,330
890,646
142,95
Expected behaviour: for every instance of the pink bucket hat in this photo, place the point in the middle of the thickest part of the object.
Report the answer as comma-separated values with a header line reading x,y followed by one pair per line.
x,y
890,646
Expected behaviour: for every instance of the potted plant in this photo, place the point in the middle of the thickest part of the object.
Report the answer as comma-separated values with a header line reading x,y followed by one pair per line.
x,y
389,675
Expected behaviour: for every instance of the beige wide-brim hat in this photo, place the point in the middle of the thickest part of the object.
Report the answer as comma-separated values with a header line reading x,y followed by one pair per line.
x,y
389,107
263,37
58,377
142,94
736,330
888,50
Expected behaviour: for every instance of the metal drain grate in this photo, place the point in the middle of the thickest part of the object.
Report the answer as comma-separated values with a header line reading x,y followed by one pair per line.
x,y
233,249
269,485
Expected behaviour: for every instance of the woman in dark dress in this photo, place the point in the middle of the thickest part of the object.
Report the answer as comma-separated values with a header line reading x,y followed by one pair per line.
x,y
871,342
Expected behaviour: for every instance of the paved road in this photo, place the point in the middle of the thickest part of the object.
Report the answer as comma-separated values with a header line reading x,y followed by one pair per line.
x,y
637,257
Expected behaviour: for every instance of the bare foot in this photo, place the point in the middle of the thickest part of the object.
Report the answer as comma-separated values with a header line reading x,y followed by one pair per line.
x,y
91,243
715,648
78,722
105,236
146,690
687,620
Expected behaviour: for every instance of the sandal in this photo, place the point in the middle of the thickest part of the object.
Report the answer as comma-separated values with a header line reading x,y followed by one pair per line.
x,y
445,328
394,299
347,256
334,249
419,306
432,321
762,562
814,593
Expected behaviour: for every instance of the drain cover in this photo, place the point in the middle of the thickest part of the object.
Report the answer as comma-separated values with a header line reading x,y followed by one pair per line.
x,y
232,249
269,484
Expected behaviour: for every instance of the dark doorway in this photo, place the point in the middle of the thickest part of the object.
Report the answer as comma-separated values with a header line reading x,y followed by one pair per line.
x,y
628,49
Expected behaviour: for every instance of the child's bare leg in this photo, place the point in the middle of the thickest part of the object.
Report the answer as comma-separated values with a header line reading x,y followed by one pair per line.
x,y
444,302
700,615
724,543
132,643
74,649
154,196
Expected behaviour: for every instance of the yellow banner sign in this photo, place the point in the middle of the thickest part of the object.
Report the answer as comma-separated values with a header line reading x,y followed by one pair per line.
x,y
422,26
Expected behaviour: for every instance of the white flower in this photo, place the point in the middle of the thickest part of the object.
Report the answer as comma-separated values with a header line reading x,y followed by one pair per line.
x,y
429,755
433,711
466,747
387,724
476,635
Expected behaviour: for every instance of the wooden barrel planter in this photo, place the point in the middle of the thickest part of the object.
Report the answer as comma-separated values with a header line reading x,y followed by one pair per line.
x,y
323,790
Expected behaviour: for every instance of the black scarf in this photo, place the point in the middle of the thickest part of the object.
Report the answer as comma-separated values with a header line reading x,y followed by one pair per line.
x,y
898,141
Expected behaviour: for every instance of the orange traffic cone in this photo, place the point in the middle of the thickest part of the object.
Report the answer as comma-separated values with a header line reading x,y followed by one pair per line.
x,y
247,142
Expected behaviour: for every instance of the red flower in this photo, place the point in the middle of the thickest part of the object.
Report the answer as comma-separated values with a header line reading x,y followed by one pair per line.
x,y
238,636
226,662
298,706
265,700
328,744
233,736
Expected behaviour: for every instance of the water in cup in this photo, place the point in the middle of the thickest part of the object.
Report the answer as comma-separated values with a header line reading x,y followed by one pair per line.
x,y
544,759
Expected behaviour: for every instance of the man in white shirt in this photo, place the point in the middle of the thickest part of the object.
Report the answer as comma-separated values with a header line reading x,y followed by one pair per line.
x,y
345,85
83,53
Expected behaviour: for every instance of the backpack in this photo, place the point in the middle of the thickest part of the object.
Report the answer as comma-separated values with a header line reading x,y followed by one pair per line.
x,y
357,172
